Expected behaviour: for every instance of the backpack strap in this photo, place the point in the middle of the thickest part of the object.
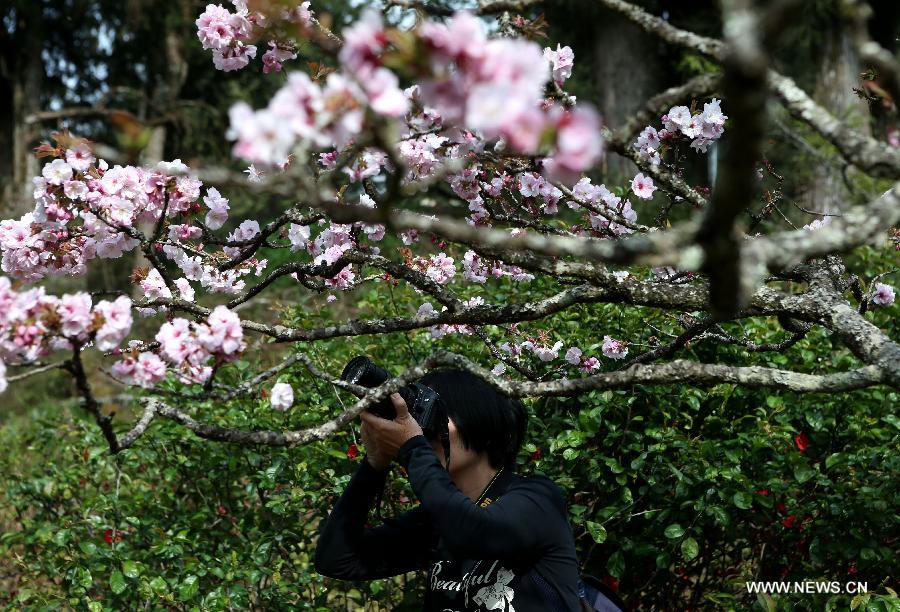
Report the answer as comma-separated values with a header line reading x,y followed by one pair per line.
x,y
549,593
598,596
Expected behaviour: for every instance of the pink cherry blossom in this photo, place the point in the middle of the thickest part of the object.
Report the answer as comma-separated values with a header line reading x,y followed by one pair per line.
x,y
677,118
281,397
145,370
177,341
561,62
75,190
80,157
218,209
215,27
589,365
474,268
579,145
75,313
883,295
384,94
643,186
363,43
225,334
184,289
253,174
116,324
299,236
614,349
57,172
233,58
544,352
441,268
154,287
275,57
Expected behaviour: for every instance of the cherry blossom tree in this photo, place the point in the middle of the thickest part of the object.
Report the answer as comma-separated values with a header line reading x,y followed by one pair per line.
x,y
462,107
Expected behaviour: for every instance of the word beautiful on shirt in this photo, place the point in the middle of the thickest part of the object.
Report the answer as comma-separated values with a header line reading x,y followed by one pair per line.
x,y
496,595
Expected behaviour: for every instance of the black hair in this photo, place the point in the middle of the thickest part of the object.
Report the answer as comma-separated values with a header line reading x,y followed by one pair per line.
x,y
486,419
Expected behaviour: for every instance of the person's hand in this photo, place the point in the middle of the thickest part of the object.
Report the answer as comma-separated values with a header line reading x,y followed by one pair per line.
x,y
374,455
387,436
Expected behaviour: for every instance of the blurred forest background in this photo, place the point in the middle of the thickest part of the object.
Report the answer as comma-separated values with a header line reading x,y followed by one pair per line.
x,y
676,495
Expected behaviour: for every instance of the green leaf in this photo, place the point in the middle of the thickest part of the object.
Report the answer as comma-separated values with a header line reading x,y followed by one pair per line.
x,y
835,459
189,588
766,601
84,578
616,564
597,531
742,500
337,454
159,585
131,569
117,583
674,531
662,560
803,472
720,515
690,549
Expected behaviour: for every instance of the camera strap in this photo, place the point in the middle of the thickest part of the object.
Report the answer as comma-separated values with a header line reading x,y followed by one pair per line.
x,y
484,499
445,439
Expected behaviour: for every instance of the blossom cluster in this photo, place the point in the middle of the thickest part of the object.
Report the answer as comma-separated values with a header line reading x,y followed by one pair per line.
x,y
541,348
85,210
189,346
140,368
230,35
475,88
33,323
701,128
604,200
496,88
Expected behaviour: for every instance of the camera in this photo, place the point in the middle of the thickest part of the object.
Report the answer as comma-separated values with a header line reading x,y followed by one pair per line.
x,y
423,402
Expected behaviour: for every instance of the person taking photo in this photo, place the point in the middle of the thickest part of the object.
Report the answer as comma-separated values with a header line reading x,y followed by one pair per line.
x,y
490,538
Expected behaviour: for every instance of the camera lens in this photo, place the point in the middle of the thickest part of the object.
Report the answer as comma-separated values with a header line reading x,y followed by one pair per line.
x,y
362,371
355,370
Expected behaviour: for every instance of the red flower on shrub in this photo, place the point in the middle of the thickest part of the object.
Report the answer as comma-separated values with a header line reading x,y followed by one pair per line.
x,y
535,455
789,521
802,442
780,506
111,536
612,583
352,451
762,492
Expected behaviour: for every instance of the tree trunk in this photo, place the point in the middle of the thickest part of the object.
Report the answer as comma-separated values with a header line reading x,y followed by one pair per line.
x,y
627,73
838,74
164,97
22,93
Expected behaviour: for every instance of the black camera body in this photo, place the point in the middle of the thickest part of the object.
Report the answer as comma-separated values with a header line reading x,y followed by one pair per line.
x,y
423,402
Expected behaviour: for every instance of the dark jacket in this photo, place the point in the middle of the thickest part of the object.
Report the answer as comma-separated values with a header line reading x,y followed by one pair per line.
x,y
479,557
